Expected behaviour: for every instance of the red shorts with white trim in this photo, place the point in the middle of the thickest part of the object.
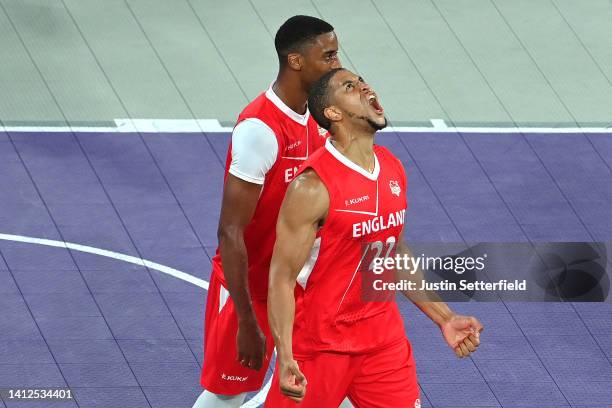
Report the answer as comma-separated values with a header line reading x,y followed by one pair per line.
x,y
222,373
385,378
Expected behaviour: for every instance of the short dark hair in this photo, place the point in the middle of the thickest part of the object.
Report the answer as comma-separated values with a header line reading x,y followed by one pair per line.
x,y
318,98
297,32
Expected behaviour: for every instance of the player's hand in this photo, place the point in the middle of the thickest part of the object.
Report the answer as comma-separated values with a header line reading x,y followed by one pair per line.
x,y
462,333
251,344
292,381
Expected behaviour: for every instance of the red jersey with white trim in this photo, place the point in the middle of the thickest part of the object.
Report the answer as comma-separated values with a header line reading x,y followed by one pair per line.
x,y
365,219
297,137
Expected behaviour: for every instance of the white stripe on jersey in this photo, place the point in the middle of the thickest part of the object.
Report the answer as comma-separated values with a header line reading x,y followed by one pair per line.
x,y
304,274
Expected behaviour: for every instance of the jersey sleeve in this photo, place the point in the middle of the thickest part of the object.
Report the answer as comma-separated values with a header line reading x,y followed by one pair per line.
x,y
254,150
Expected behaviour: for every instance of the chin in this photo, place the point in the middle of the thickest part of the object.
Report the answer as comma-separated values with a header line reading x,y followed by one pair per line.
x,y
378,123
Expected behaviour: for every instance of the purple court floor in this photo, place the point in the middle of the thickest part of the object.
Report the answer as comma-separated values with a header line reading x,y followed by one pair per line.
x,y
122,335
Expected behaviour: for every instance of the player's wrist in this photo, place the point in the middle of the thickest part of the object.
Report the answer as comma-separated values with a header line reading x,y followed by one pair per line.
x,y
247,319
284,356
445,316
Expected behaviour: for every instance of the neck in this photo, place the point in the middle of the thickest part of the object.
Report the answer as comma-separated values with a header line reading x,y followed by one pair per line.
x,y
290,90
357,146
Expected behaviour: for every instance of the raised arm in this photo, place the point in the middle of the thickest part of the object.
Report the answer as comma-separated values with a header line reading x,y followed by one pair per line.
x,y
302,213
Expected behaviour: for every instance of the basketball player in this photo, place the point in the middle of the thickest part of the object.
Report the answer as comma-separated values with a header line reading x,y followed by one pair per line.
x,y
274,134
349,198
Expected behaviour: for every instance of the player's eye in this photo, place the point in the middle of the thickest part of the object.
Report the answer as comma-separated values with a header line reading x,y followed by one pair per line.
x,y
349,86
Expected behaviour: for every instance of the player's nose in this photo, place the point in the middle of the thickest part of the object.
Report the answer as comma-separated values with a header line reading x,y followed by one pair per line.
x,y
336,63
365,87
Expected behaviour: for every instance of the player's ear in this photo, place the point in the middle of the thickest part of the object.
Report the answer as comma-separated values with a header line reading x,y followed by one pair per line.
x,y
295,61
333,114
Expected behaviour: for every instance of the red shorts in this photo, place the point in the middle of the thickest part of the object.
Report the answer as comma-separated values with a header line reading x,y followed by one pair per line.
x,y
221,371
385,378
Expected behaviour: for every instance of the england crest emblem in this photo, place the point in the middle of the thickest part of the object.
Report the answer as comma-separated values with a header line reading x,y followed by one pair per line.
x,y
395,188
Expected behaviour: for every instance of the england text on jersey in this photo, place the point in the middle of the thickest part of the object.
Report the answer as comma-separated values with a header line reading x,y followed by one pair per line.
x,y
378,223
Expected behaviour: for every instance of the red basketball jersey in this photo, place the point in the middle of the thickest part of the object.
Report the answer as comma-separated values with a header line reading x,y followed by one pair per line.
x,y
296,141
365,219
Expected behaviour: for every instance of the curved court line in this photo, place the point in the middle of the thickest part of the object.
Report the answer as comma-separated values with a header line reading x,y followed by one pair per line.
x,y
109,254
257,399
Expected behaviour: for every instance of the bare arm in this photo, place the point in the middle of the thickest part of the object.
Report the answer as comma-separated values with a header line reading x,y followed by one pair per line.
x,y
429,302
462,333
239,201
304,209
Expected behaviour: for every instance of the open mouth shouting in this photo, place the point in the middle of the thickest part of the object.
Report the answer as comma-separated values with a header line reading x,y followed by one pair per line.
x,y
373,101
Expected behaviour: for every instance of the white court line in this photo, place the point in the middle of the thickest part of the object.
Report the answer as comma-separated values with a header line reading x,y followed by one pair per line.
x,y
109,254
256,401
213,126
259,398
439,123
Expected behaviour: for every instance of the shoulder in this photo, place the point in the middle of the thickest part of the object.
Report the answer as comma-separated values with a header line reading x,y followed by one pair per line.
x,y
306,199
264,110
254,150
254,108
384,155
252,125
383,152
261,109
309,187
252,135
